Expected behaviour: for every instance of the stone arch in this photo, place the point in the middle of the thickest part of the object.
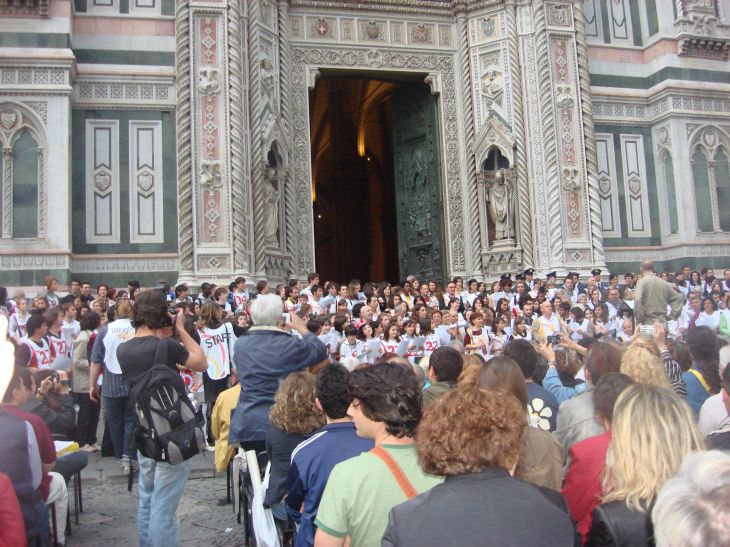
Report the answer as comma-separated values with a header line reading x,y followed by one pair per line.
x,y
15,120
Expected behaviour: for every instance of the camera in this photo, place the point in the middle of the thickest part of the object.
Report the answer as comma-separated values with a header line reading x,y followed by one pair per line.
x,y
553,339
647,330
54,377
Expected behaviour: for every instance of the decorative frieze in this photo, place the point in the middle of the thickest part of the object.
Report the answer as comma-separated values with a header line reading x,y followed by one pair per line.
x,y
139,263
120,94
327,28
33,78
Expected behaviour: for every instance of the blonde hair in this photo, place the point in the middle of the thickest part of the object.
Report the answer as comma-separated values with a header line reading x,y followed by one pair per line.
x,y
124,310
642,362
294,410
651,433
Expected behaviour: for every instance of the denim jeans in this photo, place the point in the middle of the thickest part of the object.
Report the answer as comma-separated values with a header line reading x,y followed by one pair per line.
x,y
160,488
119,419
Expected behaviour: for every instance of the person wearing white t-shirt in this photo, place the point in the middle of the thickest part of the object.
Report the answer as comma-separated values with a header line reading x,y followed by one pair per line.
x,y
351,347
217,341
710,315
240,294
18,320
70,328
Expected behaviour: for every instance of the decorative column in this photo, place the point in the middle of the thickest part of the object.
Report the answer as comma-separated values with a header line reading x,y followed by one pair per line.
x,y
567,217
462,26
213,199
7,193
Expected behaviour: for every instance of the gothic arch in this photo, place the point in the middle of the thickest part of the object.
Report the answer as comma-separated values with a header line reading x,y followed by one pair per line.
x,y
495,135
15,119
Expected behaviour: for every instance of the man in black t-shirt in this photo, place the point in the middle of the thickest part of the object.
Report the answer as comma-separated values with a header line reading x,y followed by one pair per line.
x,y
160,484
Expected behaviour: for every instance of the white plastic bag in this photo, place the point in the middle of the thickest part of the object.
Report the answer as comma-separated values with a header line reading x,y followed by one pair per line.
x,y
263,519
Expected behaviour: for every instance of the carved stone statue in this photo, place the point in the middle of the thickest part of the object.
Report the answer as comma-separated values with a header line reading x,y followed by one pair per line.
x,y
271,209
499,196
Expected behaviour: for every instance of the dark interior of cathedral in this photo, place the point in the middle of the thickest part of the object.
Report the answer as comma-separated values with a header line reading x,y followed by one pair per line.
x,y
353,189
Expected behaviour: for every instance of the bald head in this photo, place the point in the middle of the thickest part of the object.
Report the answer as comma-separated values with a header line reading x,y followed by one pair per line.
x,y
647,266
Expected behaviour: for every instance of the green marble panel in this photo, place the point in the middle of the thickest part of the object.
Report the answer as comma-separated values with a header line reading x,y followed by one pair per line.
x,y
80,6
701,180
167,7
78,166
605,21
722,181
671,194
124,6
635,23
25,186
33,39
667,73
115,57
652,18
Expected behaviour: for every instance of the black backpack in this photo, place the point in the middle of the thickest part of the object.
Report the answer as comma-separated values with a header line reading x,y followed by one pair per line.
x,y
167,427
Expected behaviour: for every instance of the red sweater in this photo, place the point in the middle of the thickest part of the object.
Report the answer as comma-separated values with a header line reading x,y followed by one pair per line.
x,y
12,528
582,487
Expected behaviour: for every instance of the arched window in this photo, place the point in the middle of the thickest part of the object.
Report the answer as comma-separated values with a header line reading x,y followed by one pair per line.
x,y
22,176
722,182
668,167
703,202
25,186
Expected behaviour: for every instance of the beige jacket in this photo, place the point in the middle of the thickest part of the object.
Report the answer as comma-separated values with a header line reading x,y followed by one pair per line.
x,y
80,356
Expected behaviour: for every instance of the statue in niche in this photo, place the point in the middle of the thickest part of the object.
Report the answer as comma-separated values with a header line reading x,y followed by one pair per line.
x,y
271,209
499,197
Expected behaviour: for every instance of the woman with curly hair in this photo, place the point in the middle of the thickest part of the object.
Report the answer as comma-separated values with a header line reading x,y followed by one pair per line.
x,y
651,433
293,416
642,362
472,437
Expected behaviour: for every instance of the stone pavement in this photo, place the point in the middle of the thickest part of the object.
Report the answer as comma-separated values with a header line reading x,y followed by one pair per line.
x,y
110,511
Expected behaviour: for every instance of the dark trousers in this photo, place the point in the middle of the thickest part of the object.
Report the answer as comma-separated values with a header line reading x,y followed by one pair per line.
x,y
70,464
87,419
119,419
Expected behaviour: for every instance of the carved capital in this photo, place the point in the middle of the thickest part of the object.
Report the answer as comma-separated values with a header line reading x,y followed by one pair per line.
x,y
434,82
313,75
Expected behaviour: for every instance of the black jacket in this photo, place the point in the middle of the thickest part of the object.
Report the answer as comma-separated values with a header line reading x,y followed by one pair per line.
x,y
487,508
615,524
61,421
279,447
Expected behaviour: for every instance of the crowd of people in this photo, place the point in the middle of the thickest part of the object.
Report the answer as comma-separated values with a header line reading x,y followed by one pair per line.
x,y
526,411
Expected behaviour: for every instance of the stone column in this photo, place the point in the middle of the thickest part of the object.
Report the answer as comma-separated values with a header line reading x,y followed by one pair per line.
x,y
560,144
213,197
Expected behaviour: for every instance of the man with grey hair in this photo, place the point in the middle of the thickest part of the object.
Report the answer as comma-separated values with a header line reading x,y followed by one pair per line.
x,y
692,508
652,297
720,437
263,357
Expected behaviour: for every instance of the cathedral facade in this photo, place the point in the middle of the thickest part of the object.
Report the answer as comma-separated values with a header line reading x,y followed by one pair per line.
x,y
156,139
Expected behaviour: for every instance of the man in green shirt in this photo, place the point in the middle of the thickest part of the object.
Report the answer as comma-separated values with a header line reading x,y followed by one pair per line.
x,y
361,491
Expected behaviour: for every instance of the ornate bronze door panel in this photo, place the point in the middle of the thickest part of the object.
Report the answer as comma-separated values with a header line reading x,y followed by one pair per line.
x,y
418,194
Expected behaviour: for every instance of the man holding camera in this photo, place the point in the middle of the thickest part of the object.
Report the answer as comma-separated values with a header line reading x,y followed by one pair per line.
x,y
652,297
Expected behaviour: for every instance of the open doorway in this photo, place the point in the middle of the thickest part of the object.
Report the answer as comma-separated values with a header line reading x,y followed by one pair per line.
x,y
353,184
